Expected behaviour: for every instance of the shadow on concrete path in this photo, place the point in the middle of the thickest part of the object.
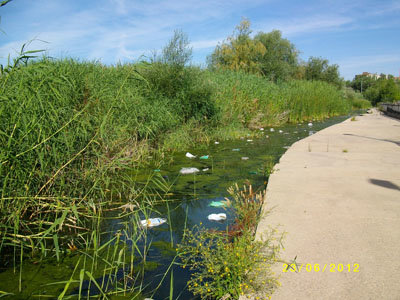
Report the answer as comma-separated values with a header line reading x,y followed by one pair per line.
x,y
384,183
371,138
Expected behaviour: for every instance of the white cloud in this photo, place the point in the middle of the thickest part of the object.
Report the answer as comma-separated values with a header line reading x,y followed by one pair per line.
x,y
306,25
205,44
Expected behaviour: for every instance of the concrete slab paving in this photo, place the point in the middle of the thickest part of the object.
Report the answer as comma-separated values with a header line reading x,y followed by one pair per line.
x,y
337,195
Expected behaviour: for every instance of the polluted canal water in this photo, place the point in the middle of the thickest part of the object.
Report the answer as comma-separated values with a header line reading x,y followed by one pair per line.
x,y
198,181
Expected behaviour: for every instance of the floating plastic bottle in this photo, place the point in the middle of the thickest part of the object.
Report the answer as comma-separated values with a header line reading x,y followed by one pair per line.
x,y
217,204
153,222
245,158
204,157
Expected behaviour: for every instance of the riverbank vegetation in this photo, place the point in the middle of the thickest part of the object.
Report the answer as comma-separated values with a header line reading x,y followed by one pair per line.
x,y
227,264
382,88
72,131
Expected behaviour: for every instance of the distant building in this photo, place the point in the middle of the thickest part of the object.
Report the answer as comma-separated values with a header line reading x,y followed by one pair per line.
x,y
373,75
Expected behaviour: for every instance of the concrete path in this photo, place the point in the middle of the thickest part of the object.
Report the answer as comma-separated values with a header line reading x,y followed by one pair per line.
x,y
337,195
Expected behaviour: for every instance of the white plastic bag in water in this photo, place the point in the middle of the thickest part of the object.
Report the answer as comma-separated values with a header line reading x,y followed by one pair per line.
x,y
217,217
190,155
189,170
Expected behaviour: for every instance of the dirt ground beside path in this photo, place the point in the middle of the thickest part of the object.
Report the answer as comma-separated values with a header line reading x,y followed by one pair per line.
x,y
337,195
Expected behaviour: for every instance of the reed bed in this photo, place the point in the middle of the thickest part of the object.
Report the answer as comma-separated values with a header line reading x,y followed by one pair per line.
x,y
252,101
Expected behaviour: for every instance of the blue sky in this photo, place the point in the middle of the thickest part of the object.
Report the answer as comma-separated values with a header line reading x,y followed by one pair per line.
x,y
357,35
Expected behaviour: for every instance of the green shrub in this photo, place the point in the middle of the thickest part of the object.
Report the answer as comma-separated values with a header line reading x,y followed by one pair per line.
x,y
232,261
356,99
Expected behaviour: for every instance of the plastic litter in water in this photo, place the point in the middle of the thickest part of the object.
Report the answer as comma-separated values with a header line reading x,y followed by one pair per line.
x,y
153,222
185,171
204,157
253,172
245,158
216,143
206,169
262,129
280,131
310,124
271,129
217,217
190,155
217,204
311,132
267,136
236,149
157,170
249,140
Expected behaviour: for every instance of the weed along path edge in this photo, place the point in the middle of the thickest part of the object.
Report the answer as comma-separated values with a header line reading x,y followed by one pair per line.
x,y
337,195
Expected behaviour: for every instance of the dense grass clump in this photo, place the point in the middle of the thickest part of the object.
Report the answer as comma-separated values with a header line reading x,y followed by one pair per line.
x,y
66,125
356,98
252,101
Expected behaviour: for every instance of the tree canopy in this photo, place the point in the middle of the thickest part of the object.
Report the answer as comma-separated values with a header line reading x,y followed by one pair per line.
x,y
280,60
270,55
318,68
267,54
239,51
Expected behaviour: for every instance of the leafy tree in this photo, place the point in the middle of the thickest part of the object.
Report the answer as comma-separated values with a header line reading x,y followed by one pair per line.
x,y
362,82
318,68
385,90
239,51
177,51
280,59
267,54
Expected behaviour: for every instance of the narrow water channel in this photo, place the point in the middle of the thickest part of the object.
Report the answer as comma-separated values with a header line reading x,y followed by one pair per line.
x,y
228,162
